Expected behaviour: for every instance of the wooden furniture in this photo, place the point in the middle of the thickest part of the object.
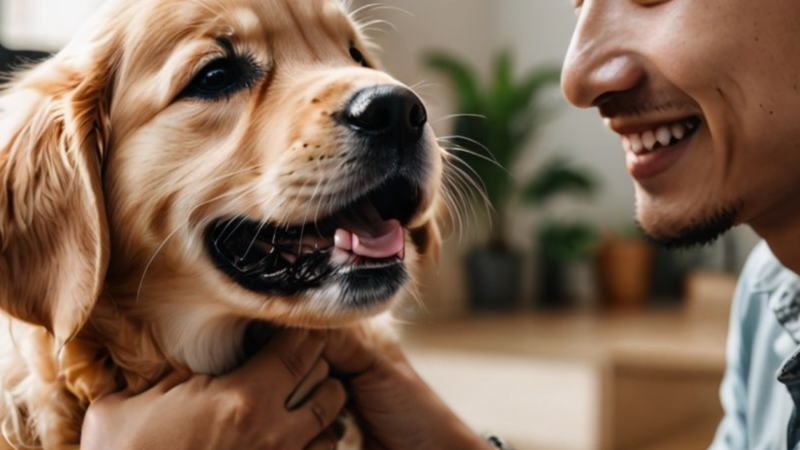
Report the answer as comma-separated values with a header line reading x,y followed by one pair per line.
x,y
644,380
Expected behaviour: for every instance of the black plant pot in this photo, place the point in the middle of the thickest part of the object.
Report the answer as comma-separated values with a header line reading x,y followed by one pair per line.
x,y
551,286
495,280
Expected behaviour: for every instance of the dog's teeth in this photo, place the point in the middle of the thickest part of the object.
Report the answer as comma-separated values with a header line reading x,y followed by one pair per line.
x,y
316,242
341,257
265,247
290,257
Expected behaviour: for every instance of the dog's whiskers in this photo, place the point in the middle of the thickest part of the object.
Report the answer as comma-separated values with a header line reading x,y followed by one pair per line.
x,y
261,225
420,86
328,184
461,189
375,25
195,208
373,7
470,175
305,216
456,201
457,116
450,139
413,292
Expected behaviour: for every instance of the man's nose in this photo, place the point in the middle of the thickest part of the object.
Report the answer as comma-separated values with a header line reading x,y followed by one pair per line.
x,y
600,60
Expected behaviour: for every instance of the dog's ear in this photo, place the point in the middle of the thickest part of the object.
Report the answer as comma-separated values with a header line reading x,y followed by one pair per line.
x,y
53,233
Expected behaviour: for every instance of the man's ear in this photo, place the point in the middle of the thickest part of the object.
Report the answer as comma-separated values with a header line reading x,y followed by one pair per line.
x,y
53,232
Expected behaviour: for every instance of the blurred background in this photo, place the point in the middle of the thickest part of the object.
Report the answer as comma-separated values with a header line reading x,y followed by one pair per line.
x,y
550,320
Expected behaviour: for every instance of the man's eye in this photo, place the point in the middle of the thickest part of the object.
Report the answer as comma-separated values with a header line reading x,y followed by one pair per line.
x,y
220,78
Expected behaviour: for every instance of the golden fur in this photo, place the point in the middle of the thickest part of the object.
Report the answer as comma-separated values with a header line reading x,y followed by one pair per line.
x,y
108,182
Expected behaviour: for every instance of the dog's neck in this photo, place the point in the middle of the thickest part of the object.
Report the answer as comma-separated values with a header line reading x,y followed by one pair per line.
x,y
204,339
144,347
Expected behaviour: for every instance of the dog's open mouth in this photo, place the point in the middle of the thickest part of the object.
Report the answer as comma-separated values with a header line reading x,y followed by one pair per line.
x,y
362,246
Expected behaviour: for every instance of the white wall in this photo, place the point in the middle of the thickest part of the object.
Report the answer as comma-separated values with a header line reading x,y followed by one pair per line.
x,y
42,24
538,32
419,26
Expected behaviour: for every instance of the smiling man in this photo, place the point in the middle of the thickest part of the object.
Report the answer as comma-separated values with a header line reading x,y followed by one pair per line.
x,y
705,96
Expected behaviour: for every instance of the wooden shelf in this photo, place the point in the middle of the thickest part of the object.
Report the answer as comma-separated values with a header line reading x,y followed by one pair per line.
x,y
577,381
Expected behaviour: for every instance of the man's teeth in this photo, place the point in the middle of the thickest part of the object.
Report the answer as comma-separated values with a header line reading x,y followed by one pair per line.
x,y
649,140
662,136
678,131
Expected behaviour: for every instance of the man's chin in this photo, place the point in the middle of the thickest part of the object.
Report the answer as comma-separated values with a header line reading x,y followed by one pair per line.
x,y
701,232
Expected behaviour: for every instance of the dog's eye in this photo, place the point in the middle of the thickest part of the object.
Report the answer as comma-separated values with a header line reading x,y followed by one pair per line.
x,y
357,56
220,78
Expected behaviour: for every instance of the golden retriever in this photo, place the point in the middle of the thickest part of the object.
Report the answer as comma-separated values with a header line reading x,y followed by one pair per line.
x,y
185,169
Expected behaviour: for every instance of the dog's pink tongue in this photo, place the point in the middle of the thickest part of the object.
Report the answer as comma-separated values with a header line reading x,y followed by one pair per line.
x,y
386,242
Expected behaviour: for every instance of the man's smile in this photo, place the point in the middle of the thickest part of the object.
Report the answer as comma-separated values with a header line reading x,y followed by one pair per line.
x,y
652,146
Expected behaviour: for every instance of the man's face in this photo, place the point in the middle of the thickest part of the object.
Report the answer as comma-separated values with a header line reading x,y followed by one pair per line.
x,y
705,95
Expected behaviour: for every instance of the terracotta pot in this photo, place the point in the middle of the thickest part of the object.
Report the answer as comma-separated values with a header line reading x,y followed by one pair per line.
x,y
624,272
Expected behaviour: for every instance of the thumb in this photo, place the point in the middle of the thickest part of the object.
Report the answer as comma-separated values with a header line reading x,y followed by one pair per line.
x,y
348,354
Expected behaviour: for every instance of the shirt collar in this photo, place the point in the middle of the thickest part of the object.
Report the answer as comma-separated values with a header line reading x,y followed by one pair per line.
x,y
785,303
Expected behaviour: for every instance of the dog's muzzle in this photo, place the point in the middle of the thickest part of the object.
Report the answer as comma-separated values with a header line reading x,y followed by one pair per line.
x,y
388,116
360,245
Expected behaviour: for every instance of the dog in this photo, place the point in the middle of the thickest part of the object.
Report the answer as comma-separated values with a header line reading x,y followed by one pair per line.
x,y
186,169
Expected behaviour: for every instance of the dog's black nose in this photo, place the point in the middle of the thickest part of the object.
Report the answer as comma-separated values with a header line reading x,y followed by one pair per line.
x,y
387,111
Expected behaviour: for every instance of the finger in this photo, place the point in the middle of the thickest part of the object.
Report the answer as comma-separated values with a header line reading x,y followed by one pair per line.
x,y
317,375
325,441
347,353
286,359
321,409
109,400
173,379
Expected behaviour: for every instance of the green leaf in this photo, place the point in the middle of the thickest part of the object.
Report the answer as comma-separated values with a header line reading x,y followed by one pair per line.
x,y
503,77
567,242
535,82
557,177
512,114
464,79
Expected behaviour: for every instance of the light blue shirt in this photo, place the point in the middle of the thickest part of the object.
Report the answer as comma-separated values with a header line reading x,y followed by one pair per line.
x,y
762,381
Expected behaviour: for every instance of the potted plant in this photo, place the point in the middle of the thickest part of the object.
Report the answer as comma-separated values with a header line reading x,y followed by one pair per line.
x,y
625,271
565,254
496,122
565,248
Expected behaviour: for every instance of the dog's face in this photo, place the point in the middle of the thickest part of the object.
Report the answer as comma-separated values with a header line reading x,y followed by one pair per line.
x,y
265,165
255,162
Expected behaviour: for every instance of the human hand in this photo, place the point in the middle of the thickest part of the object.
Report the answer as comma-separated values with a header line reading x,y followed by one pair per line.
x,y
396,409
245,409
